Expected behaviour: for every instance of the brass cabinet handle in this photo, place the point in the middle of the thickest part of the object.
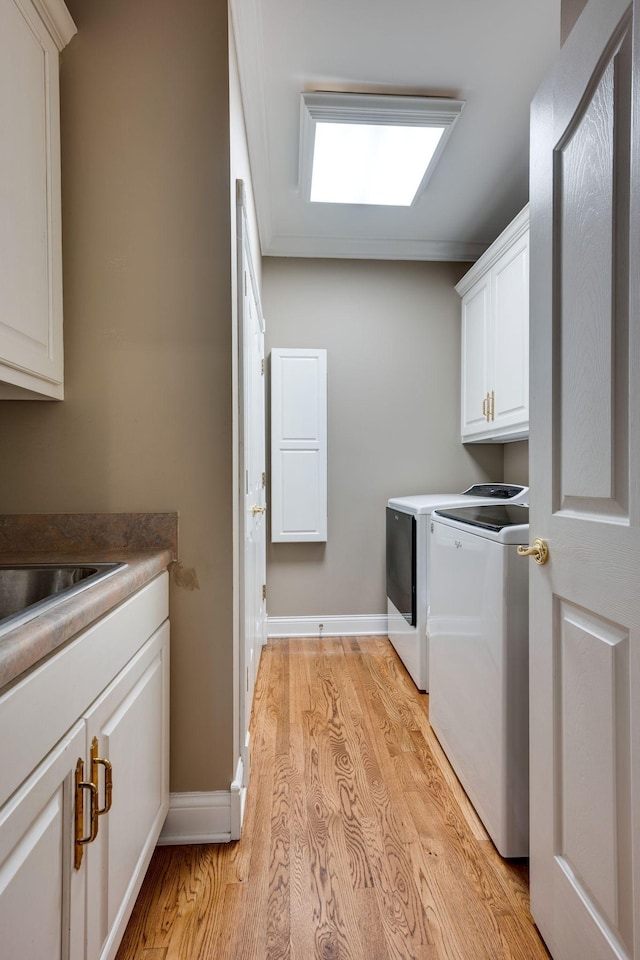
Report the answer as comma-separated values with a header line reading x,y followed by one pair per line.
x,y
492,405
81,786
539,550
484,407
257,509
97,762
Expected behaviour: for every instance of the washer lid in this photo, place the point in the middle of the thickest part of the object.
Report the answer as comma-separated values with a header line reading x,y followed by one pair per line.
x,y
499,491
506,522
427,502
478,493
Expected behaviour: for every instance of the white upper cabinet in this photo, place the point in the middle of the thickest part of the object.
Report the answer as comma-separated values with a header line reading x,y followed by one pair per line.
x,y
32,32
495,339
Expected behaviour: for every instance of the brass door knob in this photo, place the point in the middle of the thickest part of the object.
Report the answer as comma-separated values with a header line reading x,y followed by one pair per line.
x,y
539,550
257,509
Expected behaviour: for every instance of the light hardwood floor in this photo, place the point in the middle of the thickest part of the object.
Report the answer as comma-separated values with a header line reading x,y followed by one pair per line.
x,y
358,841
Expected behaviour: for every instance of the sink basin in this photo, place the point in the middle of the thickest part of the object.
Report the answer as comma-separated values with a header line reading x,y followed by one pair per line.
x,y
27,590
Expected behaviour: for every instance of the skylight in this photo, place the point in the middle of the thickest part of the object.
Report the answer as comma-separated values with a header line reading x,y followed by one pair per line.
x,y
370,149
367,163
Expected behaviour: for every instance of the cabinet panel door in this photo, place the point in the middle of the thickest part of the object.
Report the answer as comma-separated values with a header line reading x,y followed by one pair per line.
x,y
298,445
41,894
475,375
30,232
130,721
510,344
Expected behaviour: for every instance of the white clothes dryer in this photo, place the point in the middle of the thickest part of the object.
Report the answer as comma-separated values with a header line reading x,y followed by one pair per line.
x,y
407,555
479,661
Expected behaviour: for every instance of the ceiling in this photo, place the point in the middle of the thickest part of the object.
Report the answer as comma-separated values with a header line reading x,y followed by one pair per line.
x,y
492,54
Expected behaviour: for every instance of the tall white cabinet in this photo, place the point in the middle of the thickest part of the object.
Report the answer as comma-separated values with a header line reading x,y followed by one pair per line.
x,y
495,339
32,32
298,445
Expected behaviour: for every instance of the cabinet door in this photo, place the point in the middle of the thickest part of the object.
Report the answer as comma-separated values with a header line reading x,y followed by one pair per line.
x,y
30,233
130,721
475,375
298,445
510,339
41,894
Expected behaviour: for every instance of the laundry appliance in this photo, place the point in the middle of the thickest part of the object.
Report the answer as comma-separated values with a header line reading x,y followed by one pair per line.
x,y
478,625
407,536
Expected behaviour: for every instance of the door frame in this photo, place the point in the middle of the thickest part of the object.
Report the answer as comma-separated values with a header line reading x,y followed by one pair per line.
x,y
244,263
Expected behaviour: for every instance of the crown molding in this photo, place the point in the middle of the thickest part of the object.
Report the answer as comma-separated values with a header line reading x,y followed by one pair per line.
x,y
518,226
57,20
372,249
246,23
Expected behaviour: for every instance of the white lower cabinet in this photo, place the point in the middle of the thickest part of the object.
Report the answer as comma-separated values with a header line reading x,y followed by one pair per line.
x,y
69,900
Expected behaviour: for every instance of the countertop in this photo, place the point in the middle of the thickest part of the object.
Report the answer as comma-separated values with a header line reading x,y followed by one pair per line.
x,y
145,543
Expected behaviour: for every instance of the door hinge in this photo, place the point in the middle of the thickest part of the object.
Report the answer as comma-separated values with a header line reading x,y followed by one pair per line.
x,y
262,366
245,283
264,591
264,479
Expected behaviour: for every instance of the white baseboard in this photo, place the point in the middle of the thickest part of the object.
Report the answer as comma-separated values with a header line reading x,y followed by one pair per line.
x,y
197,818
238,797
365,625
214,817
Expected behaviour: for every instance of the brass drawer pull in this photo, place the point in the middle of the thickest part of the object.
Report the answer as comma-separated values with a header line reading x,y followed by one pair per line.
x,y
81,786
96,762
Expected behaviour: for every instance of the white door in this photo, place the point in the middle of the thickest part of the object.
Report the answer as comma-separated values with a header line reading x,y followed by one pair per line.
x,y
585,493
253,613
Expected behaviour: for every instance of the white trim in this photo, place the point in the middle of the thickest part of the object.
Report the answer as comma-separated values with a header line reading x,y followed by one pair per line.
x,y
214,817
365,625
238,799
518,226
198,818
57,20
360,248
246,20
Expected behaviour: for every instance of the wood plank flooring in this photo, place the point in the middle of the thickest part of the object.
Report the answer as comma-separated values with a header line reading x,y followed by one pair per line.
x,y
358,842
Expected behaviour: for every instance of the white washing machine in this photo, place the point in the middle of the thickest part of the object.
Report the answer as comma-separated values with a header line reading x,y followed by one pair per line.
x,y
479,661
407,566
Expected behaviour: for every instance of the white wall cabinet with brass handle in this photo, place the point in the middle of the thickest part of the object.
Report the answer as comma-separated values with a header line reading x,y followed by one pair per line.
x,y
32,32
495,340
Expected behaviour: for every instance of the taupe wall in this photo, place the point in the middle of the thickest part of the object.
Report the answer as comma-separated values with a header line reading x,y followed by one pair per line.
x,y
392,332
147,420
516,462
